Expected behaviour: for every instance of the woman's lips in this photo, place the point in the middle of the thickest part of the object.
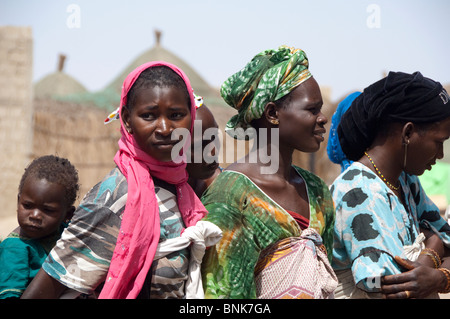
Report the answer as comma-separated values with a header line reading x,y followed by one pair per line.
x,y
165,145
320,134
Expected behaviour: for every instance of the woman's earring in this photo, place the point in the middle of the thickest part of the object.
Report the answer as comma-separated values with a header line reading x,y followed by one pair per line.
x,y
274,122
405,144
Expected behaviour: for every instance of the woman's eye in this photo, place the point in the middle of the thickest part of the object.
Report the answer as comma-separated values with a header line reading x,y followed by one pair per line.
x,y
178,115
315,110
148,116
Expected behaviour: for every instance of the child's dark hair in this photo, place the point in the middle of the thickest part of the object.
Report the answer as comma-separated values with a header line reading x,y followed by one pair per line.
x,y
55,170
161,76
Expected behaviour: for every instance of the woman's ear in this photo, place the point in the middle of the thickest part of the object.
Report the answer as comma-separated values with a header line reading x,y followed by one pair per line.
x,y
271,113
407,132
125,114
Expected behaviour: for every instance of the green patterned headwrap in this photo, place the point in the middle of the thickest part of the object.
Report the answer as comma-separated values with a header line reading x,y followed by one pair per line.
x,y
269,76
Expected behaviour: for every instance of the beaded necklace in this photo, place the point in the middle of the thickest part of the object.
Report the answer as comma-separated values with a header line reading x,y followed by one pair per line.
x,y
395,188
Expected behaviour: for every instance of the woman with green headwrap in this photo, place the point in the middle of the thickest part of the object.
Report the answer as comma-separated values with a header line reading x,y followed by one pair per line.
x,y
277,218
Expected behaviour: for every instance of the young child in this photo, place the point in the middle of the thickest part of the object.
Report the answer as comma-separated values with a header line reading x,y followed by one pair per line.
x,y
47,191
145,201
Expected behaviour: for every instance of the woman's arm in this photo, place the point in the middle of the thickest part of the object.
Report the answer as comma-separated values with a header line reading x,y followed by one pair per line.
x,y
422,278
43,286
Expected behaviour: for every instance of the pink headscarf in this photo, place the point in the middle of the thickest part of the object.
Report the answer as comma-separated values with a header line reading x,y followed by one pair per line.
x,y
140,227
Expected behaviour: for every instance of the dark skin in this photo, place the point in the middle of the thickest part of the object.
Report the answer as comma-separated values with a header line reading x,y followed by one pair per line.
x,y
43,286
424,147
202,174
42,204
41,208
151,120
301,126
156,113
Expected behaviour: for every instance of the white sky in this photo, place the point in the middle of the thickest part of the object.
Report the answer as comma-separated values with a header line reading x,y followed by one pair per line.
x,y
217,37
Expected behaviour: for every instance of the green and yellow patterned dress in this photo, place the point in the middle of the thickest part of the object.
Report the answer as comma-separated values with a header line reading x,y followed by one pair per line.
x,y
250,222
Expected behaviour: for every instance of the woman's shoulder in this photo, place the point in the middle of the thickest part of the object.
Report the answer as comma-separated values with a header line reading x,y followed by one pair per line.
x,y
355,174
234,173
229,187
357,182
113,179
230,180
110,191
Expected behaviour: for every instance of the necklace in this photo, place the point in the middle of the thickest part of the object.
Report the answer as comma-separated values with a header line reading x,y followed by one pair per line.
x,y
395,188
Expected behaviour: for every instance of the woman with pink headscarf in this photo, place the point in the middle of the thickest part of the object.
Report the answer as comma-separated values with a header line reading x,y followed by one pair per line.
x,y
131,235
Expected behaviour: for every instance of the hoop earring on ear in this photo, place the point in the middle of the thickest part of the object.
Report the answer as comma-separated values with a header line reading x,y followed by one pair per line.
x,y
405,144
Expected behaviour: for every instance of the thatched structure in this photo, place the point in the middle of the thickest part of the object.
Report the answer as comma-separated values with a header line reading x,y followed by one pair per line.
x,y
159,53
58,83
76,132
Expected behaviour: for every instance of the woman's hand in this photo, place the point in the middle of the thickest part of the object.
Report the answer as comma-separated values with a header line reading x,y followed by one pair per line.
x,y
417,282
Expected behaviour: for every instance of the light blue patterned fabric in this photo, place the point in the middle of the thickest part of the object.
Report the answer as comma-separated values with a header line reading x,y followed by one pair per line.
x,y
372,225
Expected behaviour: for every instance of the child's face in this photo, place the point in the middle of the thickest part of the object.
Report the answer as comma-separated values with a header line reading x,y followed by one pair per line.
x,y
204,146
156,113
41,208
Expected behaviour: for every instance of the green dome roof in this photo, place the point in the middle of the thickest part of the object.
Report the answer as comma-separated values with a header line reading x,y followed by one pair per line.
x,y
158,53
57,84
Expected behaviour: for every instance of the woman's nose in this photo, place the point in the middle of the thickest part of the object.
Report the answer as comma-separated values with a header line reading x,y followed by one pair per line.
x,y
164,127
322,119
